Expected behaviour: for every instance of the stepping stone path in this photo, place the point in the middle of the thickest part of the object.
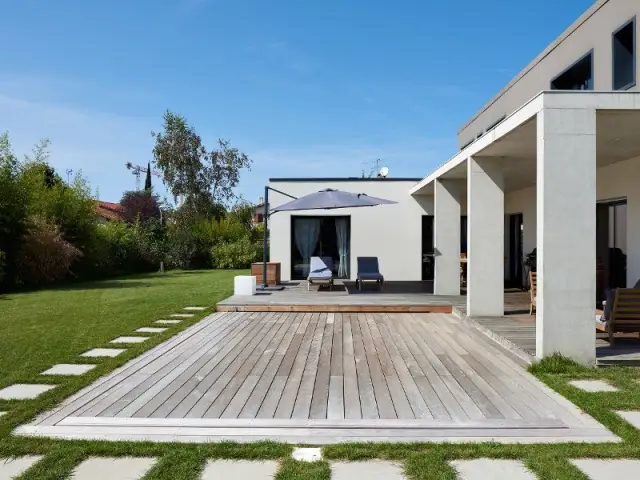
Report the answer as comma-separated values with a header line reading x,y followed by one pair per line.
x,y
593,386
181,315
14,467
597,469
151,330
2,414
167,322
632,417
129,340
125,468
240,470
68,369
489,469
104,352
371,470
307,454
23,391
195,309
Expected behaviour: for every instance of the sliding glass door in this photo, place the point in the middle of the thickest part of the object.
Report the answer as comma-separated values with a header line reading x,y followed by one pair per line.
x,y
320,236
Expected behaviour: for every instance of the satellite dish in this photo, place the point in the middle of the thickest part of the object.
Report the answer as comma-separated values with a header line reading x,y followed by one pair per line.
x,y
384,171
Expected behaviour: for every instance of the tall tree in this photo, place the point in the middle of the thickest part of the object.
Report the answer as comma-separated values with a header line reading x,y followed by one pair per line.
x,y
202,177
147,182
139,206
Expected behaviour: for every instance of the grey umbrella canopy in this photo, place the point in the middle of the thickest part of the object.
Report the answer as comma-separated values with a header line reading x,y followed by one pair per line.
x,y
330,199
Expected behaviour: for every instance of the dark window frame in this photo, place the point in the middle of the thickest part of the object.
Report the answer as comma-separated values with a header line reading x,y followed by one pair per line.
x,y
593,78
631,21
496,123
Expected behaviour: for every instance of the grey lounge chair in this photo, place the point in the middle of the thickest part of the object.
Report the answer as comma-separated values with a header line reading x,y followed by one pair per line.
x,y
320,271
368,269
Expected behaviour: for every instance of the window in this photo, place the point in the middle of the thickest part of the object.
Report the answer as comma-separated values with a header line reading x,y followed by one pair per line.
x,y
496,123
624,56
577,77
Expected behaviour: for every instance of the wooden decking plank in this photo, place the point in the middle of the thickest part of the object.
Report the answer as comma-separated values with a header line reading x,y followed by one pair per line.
x,y
152,378
243,382
384,402
200,396
414,357
398,396
351,393
217,398
368,406
320,397
335,402
411,389
95,393
283,391
286,352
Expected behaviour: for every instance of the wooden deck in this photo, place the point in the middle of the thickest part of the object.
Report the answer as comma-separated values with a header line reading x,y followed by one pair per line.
x,y
321,378
399,297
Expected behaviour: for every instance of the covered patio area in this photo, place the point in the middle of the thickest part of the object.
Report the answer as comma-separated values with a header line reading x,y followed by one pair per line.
x,y
551,162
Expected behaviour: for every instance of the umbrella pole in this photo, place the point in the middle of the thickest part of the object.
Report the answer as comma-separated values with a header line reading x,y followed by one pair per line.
x,y
265,216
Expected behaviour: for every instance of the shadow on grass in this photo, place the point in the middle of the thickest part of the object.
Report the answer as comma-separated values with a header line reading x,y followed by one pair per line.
x,y
102,284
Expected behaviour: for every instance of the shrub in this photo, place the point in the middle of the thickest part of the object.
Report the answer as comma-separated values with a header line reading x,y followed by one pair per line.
x,y
140,205
44,256
182,248
238,254
2,259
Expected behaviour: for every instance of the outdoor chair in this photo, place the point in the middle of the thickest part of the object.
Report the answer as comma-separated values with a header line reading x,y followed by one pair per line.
x,y
623,316
368,269
533,291
320,270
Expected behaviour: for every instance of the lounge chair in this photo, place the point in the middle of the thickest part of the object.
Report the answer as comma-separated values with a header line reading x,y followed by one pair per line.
x,y
320,271
533,291
368,269
623,316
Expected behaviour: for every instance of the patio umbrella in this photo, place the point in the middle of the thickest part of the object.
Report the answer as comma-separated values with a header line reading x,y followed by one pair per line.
x,y
330,199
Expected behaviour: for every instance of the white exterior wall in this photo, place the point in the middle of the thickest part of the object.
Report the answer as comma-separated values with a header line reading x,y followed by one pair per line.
x,y
616,181
393,233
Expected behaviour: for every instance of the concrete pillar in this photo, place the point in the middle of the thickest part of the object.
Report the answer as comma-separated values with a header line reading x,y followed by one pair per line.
x,y
566,198
485,243
447,237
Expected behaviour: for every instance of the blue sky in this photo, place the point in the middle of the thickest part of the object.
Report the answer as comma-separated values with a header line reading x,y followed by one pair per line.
x,y
304,88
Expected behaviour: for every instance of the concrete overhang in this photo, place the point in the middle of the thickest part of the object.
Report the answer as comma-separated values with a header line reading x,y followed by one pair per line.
x,y
514,141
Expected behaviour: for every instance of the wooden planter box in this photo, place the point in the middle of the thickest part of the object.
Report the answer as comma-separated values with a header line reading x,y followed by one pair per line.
x,y
273,273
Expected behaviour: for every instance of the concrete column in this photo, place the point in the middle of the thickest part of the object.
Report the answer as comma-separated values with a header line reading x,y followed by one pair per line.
x,y
447,237
485,243
566,198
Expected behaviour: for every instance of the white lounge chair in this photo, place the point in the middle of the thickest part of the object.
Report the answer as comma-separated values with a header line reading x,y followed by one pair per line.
x,y
320,271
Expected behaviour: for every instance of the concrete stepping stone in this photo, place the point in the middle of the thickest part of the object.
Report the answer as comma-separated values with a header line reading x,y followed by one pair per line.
x,y
632,417
167,322
14,467
151,330
69,369
195,309
104,352
182,315
302,454
129,340
240,470
2,414
371,470
593,385
597,469
125,468
489,469
24,391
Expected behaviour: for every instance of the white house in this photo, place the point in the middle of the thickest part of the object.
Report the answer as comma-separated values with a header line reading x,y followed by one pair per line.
x,y
552,162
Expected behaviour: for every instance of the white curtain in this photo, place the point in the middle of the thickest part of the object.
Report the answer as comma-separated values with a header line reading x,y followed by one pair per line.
x,y
342,225
306,232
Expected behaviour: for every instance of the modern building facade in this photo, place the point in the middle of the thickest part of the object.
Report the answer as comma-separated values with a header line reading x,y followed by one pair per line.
x,y
551,163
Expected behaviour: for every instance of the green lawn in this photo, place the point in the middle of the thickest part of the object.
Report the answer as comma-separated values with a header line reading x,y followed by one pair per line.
x,y
42,328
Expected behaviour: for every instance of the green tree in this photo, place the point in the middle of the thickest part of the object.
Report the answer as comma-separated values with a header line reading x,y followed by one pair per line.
x,y
204,178
147,181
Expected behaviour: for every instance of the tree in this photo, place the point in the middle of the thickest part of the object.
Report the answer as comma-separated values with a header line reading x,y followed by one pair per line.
x,y
147,182
140,206
203,178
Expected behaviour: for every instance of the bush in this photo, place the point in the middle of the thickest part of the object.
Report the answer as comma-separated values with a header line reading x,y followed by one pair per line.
x,y
183,248
239,254
2,258
44,256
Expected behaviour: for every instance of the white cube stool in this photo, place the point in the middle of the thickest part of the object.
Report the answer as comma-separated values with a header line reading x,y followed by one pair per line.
x,y
244,285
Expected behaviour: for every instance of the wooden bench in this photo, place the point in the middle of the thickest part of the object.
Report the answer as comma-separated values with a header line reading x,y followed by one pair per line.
x,y
625,314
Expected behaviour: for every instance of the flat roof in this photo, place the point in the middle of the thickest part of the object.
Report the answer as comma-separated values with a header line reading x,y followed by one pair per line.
x,y
346,179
